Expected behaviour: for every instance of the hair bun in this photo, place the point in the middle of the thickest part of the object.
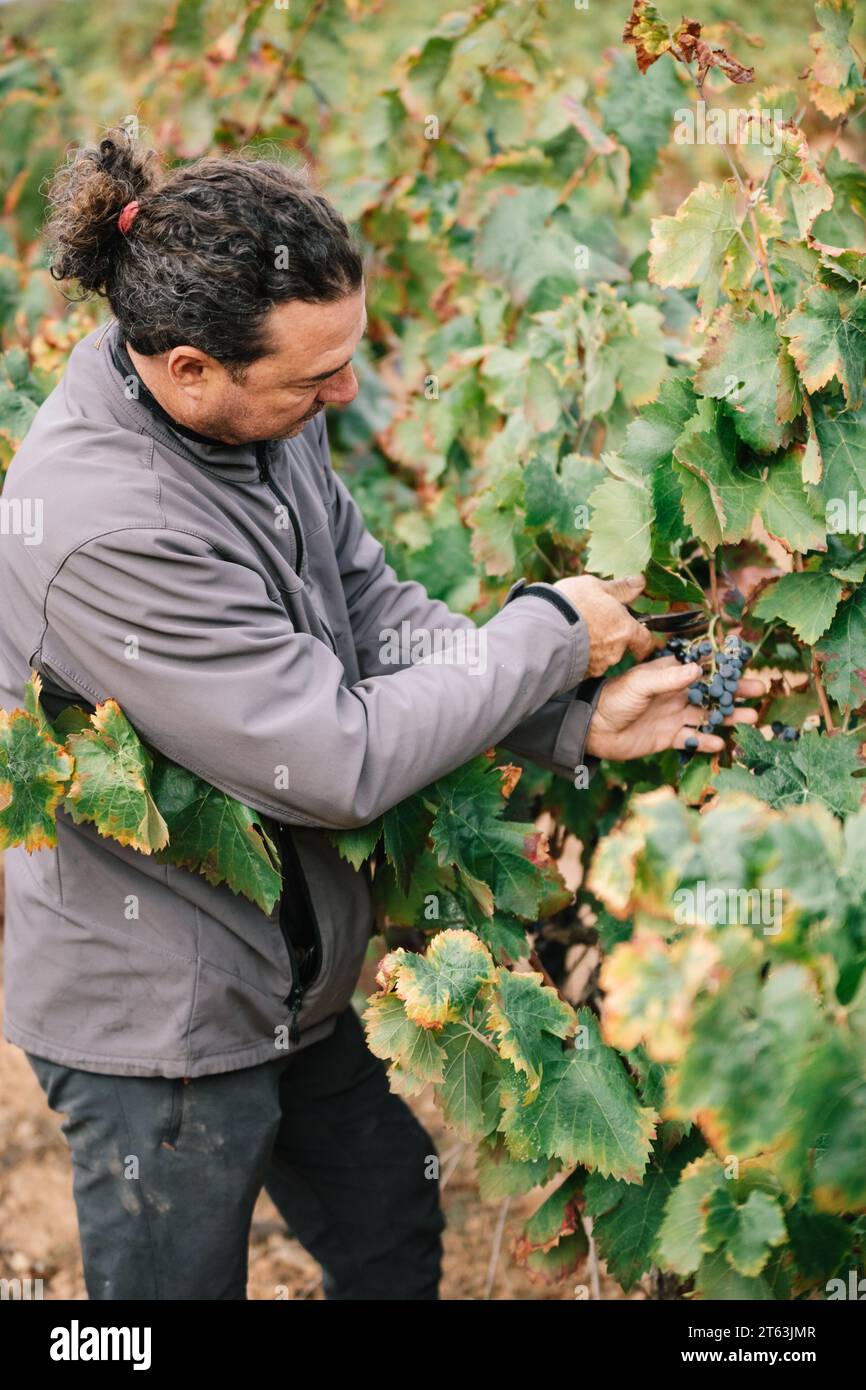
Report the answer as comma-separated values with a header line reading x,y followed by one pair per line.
x,y
87,196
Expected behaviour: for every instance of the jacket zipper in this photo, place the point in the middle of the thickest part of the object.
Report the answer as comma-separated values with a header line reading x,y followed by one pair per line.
x,y
265,477
295,880
288,849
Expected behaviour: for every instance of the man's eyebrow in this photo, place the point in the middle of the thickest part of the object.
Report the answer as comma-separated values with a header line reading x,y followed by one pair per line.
x,y
314,380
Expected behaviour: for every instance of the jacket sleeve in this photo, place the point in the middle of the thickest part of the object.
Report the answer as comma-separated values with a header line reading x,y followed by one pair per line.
x,y
552,736
204,661
555,736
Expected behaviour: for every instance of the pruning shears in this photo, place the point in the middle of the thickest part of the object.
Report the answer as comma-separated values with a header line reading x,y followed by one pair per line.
x,y
687,623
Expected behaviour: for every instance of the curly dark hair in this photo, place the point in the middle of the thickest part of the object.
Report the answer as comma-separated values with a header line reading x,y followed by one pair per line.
x,y
215,245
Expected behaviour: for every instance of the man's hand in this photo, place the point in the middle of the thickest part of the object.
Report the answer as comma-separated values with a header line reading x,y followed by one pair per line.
x,y
611,628
646,710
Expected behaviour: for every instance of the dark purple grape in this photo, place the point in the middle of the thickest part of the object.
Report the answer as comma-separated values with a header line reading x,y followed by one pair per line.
x,y
690,744
695,696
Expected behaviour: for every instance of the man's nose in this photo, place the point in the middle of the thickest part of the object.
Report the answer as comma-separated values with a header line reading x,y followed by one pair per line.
x,y
340,389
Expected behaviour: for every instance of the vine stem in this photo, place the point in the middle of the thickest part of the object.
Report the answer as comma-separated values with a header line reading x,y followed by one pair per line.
x,y
452,1162
574,180
480,1036
547,560
764,635
840,127
763,261
535,962
817,679
822,696
714,586
686,567
497,1246
592,1261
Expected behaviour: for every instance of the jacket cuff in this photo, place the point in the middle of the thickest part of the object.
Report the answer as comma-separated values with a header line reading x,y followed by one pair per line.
x,y
569,749
545,591
549,594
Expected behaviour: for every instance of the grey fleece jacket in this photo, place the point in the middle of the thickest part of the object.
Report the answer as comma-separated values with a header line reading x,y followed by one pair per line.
x,y
231,599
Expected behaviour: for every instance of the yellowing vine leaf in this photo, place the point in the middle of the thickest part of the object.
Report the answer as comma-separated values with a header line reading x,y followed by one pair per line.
x,y
827,339
438,986
692,247
807,187
835,78
648,32
34,772
521,1012
111,786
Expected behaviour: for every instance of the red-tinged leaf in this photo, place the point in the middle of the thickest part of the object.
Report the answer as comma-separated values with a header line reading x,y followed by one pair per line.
x,y
511,775
647,32
537,846
709,55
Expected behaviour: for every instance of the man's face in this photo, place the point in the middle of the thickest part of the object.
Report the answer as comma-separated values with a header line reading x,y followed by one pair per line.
x,y
308,367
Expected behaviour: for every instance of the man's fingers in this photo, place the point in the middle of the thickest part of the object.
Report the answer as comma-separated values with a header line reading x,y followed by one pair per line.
x,y
750,688
640,643
662,677
625,589
707,743
743,716
668,675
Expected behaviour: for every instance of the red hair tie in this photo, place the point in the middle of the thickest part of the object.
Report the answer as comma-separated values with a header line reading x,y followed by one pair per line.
x,y
127,217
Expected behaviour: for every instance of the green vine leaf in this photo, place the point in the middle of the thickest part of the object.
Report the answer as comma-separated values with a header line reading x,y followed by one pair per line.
x,y
842,650
807,602
585,1110
816,768
741,367
214,835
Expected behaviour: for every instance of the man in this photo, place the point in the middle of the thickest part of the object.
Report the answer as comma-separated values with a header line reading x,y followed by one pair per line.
x,y
203,565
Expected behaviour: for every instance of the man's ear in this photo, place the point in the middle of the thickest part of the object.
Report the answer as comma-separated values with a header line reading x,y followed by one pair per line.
x,y
187,367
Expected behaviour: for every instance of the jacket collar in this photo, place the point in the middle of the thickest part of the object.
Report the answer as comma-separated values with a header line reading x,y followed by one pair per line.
x,y
233,462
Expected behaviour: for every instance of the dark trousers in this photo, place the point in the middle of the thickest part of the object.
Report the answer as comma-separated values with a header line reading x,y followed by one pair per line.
x,y
167,1172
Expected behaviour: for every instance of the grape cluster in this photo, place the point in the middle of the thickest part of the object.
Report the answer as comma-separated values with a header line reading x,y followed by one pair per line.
x,y
723,667
785,732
